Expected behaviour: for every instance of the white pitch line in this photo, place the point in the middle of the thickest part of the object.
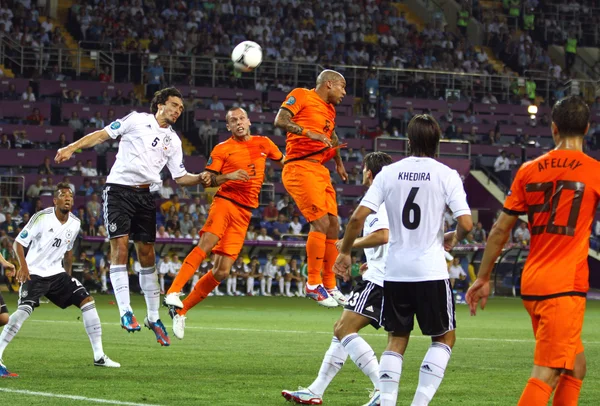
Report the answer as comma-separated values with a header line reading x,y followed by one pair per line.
x,y
72,397
257,330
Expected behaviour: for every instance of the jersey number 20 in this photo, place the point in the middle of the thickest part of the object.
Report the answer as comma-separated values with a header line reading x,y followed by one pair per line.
x,y
552,197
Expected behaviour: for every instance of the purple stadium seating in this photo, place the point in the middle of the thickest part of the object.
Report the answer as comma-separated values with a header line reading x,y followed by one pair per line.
x,y
20,84
39,133
34,157
88,88
224,94
23,109
193,164
87,111
494,150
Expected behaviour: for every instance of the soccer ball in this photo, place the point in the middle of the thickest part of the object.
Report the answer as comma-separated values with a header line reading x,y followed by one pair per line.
x,y
246,56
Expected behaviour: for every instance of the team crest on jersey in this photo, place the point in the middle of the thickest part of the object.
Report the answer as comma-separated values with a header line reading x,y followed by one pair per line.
x,y
24,234
209,161
167,141
115,125
69,234
291,101
509,193
24,293
112,227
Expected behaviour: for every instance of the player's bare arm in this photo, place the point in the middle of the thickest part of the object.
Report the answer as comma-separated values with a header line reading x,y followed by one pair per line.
x,y
497,238
23,273
90,140
68,262
215,179
375,239
343,261
6,264
339,165
190,179
464,225
284,121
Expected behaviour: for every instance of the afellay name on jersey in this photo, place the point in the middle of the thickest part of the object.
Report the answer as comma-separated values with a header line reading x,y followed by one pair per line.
x,y
414,176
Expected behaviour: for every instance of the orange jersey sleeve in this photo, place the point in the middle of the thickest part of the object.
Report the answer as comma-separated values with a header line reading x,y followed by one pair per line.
x,y
559,192
313,114
250,156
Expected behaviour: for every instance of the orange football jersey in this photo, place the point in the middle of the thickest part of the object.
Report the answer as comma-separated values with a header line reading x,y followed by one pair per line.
x,y
559,192
311,113
251,156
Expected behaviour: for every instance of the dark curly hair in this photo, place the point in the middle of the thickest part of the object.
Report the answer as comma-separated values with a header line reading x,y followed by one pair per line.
x,y
162,96
375,161
571,116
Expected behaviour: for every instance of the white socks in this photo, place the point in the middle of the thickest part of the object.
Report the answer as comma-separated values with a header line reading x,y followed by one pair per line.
x,y
13,326
281,286
363,356
390,369
334,360
269,284
91,322
151,289
262,286
288,287
103,280
300,286
250,286
161,281
431,373
120,284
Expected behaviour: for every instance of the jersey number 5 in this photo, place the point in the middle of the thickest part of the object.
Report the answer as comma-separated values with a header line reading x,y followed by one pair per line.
x,y
550,204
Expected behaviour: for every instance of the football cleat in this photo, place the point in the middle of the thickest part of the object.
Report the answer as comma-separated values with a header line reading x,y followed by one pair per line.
x,y
374,398
129,323
104,361
320,295
179,326
302,396
172,299
339,297
159,329
4,373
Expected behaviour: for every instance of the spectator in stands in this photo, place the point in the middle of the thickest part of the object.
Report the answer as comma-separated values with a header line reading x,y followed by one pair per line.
x,y
596,103
479,234
71,96
251,233
78,168
469,117
100,186
166,190
33,191
105,76
172,220
161,232
62,141
46,168
283,202
10,94
456,271
154,78
255,106
196,207
104,98
75,123
295,226
67,180
132,99
86,189
21,140
28,95
172,202
206,131
35,117
118,99
272,176
5,142
91,228
7,206
89,169
270,212
262,235
48,187
522,235
110,116
216,104
97,121
489,98
280,226
9,226
192,234
93,207
186,224
502,169
200,221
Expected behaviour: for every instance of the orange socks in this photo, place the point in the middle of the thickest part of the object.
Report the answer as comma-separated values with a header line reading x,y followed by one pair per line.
x,y
315,253
331,253
536,393
567,391
189,267
205,285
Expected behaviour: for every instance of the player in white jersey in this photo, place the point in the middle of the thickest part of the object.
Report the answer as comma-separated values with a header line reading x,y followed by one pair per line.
x,y
363,306
148,143
50,235
416,191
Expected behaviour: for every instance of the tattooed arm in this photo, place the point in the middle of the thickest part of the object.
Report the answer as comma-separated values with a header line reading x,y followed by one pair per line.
x,y
284,121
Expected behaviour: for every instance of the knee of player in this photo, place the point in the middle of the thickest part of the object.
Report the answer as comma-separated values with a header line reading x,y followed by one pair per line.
x,y
221,273
85,301
321,225
339,329
449,338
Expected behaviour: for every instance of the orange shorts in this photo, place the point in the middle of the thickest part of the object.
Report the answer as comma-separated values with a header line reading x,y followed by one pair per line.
x,y
309,184
557,325
229,222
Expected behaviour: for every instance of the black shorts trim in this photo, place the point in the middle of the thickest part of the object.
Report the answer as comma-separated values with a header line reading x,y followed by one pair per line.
x,y
366,299
306,156
129,211
60,289
432,302
3,307
552,296
234,202
513,212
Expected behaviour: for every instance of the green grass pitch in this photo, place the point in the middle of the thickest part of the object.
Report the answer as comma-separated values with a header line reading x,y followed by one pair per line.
x,y
244,351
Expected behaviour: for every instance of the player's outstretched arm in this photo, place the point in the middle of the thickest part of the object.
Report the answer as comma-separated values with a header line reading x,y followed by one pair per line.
x,y
375,239
217,180
284,121
90,140
191,179
23,274
480,290
6,264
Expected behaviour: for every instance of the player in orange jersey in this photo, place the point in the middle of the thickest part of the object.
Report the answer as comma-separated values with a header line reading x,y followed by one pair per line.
x,y
559,192
308,117
238,167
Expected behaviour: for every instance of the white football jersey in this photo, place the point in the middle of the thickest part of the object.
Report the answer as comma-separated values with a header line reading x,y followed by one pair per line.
x,y
48,241
144,150
376,256
416,191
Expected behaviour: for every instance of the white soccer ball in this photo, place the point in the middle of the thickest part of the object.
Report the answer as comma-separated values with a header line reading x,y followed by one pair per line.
x,y
246,56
